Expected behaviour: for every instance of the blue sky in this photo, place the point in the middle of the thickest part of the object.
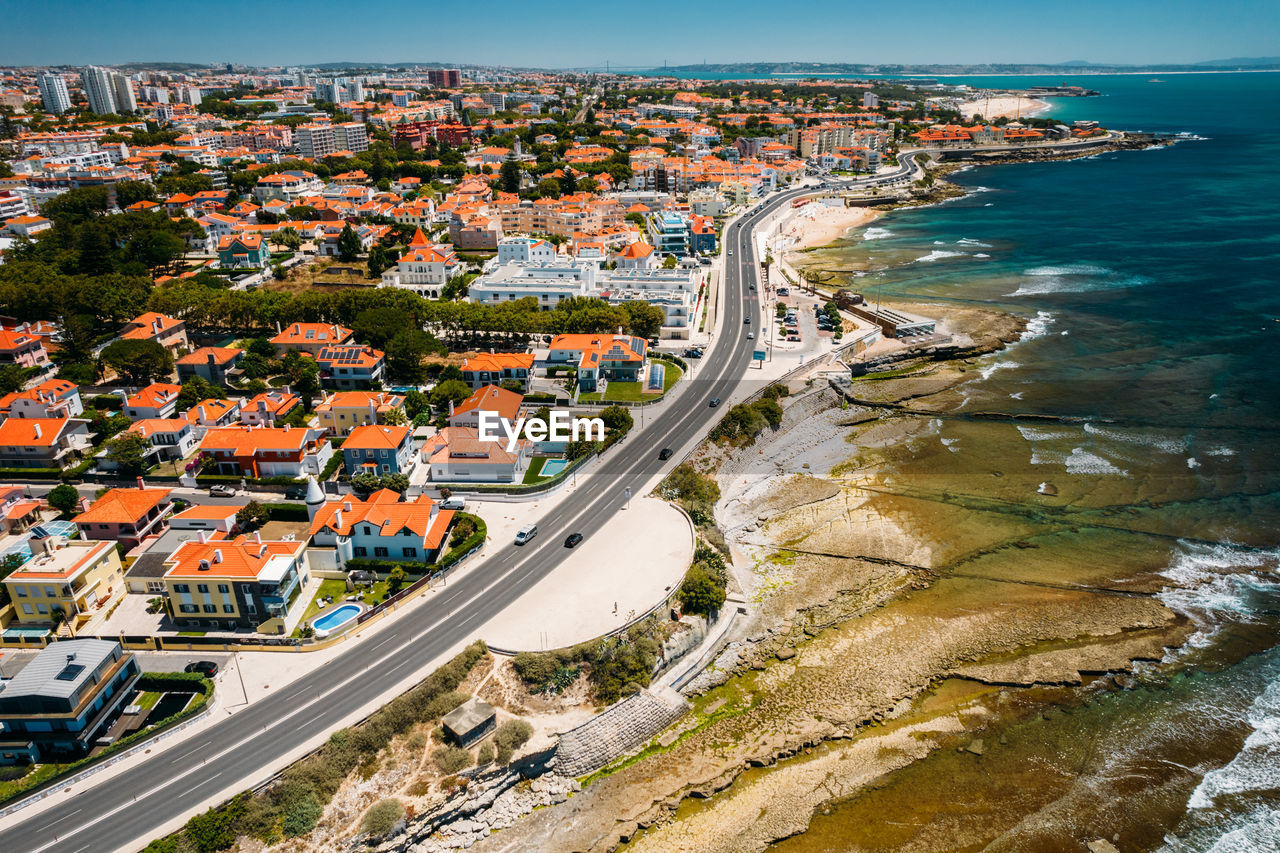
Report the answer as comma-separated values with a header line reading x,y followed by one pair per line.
x,y
573,33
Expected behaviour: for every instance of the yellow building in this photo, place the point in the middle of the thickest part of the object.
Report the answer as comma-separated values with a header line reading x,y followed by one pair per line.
x,y
76,577
343,411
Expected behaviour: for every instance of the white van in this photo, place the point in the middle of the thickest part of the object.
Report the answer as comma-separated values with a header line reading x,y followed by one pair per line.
x,y
524,534
453,503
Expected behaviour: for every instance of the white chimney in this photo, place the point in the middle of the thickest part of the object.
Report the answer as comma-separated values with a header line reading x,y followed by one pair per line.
x,y
39,432
217,555
346,505
257,538
337,519
204,537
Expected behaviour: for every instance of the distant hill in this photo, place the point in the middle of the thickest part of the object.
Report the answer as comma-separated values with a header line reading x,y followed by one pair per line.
x,y
1077,66
1244,62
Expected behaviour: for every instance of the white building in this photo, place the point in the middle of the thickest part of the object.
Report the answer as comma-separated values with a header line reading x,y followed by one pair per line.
x,y
54,94
525,250
548,282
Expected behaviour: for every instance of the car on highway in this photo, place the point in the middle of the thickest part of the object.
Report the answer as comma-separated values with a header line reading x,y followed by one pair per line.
x,y
207,668
524,534
664,454
715,401
221,491
751,336
572,539
729,251
746,321
751,287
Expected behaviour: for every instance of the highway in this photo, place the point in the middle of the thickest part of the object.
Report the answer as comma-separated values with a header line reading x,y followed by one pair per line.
x,y
129,810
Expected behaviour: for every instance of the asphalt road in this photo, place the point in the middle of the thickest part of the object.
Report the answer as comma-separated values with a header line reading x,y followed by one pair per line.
x,y
127,812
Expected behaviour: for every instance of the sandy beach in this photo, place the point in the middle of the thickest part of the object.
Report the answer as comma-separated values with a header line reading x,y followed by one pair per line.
x,y
1004,105
819,224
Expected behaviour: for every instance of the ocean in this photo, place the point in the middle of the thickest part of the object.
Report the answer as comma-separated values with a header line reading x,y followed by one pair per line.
x,y
1151,280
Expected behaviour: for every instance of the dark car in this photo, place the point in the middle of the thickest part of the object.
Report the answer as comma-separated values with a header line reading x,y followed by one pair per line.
x,y
664,454
296,493
746,321
715,401
572,540
207,668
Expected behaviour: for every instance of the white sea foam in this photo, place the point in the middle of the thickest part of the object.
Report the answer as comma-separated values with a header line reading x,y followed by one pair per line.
x,y
937,255
1074,278
1256,766
1082,461
989,204
1043,434
1220,451
1192,463
1215,583
1037,326
977,244
876,233
982,255
939,242
1016,395
998,365
1146,439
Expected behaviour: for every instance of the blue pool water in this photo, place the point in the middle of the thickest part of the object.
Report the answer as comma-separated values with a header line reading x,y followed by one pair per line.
x,y
553,466
337,617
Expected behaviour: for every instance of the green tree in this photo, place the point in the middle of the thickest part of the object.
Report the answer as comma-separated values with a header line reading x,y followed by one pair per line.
x,y
701,592
549,188
128,451
379,261
670,262
396,579
64,498
252,515
348,244
450,391
645,320
510,174
12,378
568,183
139,362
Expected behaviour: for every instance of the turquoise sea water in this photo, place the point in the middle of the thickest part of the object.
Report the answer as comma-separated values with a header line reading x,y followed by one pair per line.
x,y
1152,282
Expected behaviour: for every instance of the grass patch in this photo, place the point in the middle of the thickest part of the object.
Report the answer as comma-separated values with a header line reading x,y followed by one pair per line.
x,y
336,588
533,474
148,700
633,392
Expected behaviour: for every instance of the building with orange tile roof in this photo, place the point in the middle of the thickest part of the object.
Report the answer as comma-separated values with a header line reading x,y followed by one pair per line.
x,y
457,455
310,337
126,516
43,442
166,331
157,400
25,226
490,368
597,357
268,408
489,398
213,364
242,583
341,411
76,577
267,451
379,449
351,366
382,527
208,413
53,398
23,349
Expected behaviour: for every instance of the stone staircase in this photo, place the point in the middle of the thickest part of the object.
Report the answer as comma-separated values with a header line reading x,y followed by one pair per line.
x,y
618,730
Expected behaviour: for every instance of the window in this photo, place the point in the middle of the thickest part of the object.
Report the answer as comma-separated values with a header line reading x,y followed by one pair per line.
x,y
361,552
49,592
379,552
22,591
223,588
26,608
251,608
209,608
188,608
228,608
202,587
410,552
181,587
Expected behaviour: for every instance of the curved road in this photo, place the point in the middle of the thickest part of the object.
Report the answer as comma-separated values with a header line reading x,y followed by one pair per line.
x,y
127,811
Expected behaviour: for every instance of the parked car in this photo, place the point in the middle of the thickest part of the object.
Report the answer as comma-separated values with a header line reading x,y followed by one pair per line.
x,y
221,491
295,493
572,539
453,502
524,534
207,668
664,454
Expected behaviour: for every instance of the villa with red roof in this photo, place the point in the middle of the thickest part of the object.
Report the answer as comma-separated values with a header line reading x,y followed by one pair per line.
x,y
213,364
490,398
157,400
242,583
342,411
268,407
43,442
616,357
490,368
424,268
53,398
126,516
310,337
166,331
22,349
351,366
382,527
379,449
243,251
457,455
637,256
267,451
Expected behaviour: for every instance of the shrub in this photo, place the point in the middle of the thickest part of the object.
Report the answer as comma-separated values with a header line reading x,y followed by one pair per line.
x,y
701,592
487,753
382,817
513,734
451,759
302,816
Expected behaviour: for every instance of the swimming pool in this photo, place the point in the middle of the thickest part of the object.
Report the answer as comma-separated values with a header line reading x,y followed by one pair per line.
x,y
339,616
553,466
